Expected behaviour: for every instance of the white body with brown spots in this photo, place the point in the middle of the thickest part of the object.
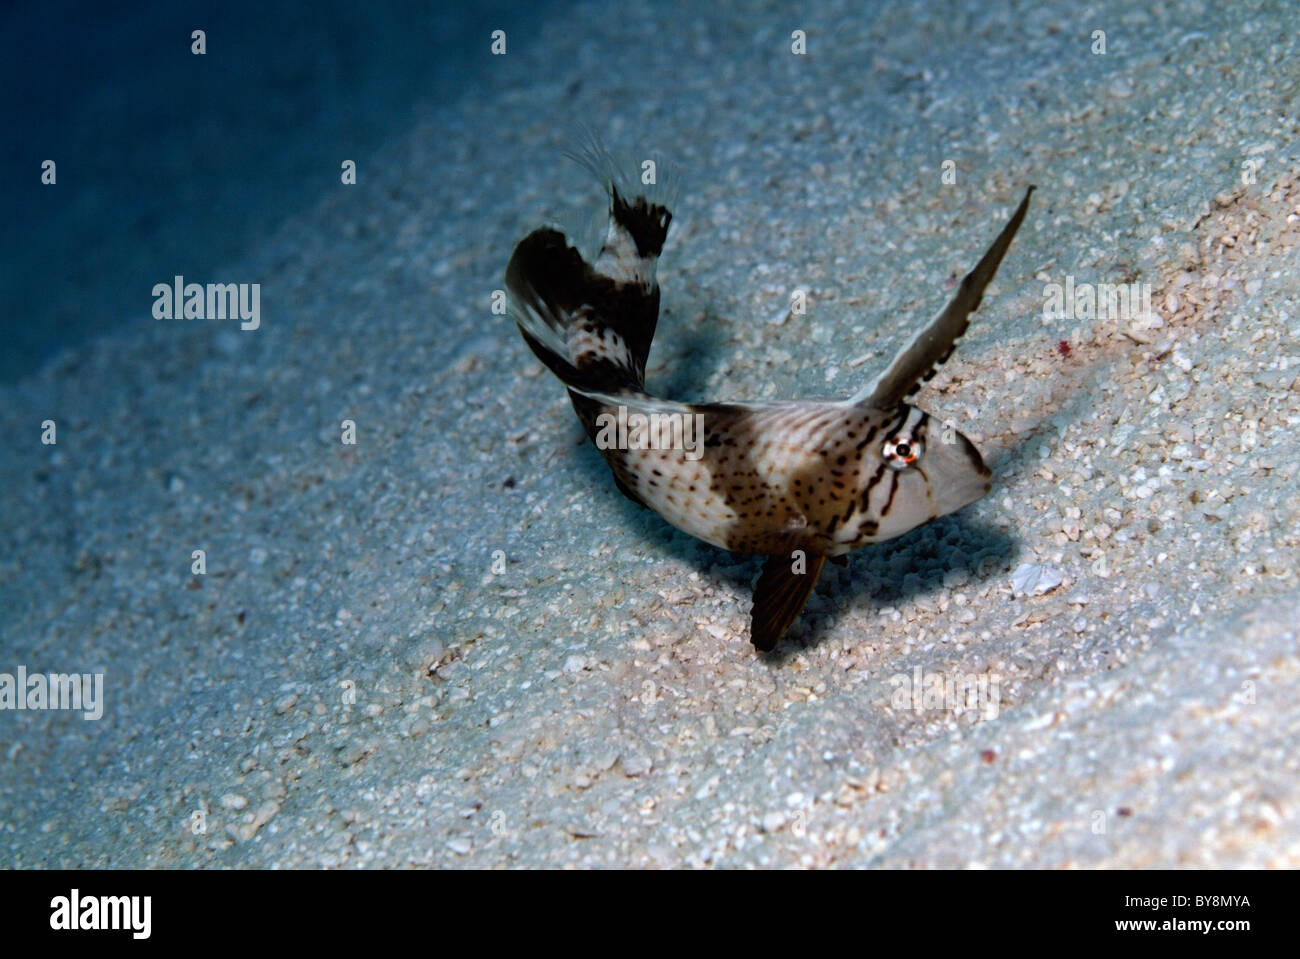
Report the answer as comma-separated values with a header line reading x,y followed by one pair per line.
x,y
822,476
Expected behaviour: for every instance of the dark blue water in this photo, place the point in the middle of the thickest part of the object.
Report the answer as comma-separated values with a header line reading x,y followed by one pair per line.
x,y
168,162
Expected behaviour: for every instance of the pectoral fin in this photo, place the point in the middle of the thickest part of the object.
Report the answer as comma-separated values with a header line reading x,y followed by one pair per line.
x,y
779,597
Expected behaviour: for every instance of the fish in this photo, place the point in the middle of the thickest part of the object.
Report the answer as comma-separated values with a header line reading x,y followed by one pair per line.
x,y
801,482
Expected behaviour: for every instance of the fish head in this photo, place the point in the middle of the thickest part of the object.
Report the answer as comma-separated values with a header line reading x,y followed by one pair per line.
x,y
924,469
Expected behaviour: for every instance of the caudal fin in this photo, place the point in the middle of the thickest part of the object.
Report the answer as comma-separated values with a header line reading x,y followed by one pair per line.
x,y
592,323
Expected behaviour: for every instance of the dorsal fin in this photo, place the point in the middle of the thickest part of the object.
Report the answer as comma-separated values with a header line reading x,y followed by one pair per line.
x,y
920,359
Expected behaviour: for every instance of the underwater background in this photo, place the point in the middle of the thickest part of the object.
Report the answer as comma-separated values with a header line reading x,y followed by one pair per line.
x,y
359,592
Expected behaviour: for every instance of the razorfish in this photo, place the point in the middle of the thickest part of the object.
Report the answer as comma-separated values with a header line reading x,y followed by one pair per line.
x,y
798,481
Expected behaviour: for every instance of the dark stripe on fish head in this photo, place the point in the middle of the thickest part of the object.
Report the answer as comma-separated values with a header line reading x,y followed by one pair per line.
x,y
924,470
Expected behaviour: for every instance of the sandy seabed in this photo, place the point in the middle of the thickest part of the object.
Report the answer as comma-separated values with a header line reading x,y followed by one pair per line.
x,y
456,644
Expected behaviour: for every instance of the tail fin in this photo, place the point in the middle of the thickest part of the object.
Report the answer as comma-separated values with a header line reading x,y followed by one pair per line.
x,y
592,323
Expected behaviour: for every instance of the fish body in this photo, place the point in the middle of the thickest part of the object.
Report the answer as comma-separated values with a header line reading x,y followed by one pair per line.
x,y
799,481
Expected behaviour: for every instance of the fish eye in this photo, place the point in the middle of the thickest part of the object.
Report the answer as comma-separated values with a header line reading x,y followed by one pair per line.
x,y
902,451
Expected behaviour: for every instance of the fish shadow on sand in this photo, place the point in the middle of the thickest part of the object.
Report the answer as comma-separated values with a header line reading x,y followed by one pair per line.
x,y
698,346
870,581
